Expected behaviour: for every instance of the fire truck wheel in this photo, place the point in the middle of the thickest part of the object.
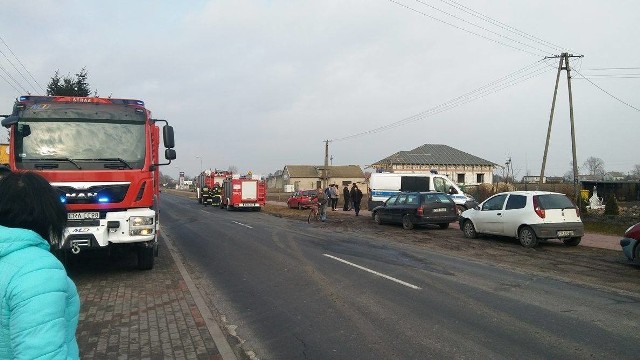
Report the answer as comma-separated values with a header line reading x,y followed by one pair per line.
x,y
145,258
229,207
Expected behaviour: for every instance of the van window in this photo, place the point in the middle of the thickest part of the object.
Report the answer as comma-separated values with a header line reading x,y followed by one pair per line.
x,y
440,184
414,183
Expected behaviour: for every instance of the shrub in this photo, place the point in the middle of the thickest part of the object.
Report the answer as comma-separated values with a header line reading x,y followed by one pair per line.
x,y
611,207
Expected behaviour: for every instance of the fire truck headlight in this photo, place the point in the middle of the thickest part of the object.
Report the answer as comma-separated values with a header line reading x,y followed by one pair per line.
x,y
141,225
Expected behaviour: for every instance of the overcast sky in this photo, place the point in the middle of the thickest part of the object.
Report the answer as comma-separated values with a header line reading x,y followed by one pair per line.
x,y
261,84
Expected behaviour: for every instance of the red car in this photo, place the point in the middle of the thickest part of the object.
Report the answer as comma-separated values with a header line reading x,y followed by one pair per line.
x,y
301,199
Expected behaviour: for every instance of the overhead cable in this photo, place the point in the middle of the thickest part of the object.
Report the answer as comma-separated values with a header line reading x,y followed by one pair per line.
x,y
512,79
14,80
480,27
21,64
606,92
541,53
502,25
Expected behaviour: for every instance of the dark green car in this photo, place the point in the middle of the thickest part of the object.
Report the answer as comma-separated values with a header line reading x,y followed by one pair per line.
x,y
417,208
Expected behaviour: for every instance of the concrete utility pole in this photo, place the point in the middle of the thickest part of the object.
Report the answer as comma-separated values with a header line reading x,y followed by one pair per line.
x,y
326,164
564,58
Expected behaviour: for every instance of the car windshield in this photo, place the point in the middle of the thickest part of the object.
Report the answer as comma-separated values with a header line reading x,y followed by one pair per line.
x,y
436,198
554,201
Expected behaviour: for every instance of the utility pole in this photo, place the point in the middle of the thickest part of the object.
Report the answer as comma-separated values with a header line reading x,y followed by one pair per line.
x,y
564,59
326,164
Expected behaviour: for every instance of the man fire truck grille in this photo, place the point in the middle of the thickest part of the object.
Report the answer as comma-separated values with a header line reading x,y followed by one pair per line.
x,y
99,194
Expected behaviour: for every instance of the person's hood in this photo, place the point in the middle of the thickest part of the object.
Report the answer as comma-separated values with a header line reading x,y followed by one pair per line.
x,y
14,239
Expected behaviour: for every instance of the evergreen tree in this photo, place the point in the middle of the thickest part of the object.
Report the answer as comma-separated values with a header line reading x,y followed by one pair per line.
x,y
611,207
69,85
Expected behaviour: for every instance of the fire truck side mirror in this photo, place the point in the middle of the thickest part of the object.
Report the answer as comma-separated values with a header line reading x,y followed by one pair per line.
x,y
167,135
170,154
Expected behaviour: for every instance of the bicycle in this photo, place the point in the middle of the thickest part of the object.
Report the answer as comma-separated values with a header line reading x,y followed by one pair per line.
x,y
313,212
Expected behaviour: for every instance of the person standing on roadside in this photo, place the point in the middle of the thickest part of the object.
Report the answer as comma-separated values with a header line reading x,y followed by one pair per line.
x,y
347,198
356,198
333,193
322,200
40,305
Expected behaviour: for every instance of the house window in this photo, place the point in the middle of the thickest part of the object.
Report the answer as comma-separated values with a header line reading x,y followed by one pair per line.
x,y
460,179
480,178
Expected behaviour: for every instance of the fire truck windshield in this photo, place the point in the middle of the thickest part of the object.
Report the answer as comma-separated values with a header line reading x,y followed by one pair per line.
x,y
75,144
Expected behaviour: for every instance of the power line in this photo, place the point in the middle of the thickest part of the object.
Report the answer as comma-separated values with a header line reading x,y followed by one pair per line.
x,y
10,84
608,93
21,64
512,79
467,31
480,27
500,24
14,80
18,71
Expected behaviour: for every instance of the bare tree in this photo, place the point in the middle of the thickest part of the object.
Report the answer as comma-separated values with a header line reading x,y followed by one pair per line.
x,y
636,171
595,166
232,169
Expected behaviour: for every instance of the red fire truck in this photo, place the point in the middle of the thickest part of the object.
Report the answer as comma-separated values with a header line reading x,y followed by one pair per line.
x,y
244,192
101,155
207,184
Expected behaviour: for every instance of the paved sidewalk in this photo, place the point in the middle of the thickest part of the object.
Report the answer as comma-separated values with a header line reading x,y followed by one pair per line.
x,y
131,314
589,239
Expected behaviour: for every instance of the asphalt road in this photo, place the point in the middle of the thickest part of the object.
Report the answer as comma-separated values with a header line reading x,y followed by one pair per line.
x,y
290,290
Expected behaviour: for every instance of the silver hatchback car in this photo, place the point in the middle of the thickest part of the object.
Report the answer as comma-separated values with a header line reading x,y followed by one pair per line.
x,y
526,215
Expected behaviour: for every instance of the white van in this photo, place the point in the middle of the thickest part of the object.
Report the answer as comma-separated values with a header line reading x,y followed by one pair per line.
x,y
384,185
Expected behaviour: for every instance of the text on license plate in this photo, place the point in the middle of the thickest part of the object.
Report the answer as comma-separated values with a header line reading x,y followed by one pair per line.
x,y
440,210
83,215
565,233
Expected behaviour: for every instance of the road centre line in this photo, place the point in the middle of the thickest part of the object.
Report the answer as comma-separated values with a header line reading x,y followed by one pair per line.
x,y
241,224
374,272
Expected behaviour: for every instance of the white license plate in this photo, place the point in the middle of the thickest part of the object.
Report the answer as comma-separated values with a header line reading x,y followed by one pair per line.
x,y
83,215
440,210
565,233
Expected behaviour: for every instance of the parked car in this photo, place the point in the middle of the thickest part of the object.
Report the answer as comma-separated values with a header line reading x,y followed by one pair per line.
x,y
529,216
631,243
301,199
417,208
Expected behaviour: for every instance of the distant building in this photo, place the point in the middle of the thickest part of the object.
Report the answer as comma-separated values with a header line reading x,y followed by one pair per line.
x,y
306,177
459,166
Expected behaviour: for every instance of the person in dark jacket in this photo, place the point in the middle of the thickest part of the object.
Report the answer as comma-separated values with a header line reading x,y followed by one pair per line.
x,y
40,306
347,198
356,198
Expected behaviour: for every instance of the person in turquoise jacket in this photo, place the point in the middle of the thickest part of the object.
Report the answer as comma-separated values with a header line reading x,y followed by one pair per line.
x,y
40,306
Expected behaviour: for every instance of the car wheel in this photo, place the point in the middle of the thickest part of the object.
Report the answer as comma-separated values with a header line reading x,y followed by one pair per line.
x,y
406,222
299,206
574,241
376,218
527,237
443,225
469,230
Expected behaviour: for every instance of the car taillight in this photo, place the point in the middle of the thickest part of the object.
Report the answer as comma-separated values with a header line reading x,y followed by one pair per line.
x,y
420,211
536,207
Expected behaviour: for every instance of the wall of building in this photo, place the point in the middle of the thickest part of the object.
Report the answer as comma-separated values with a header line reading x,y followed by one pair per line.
x,y
461,174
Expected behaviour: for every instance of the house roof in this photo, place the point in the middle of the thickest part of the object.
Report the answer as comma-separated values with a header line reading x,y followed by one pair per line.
x,y
433,154
315,171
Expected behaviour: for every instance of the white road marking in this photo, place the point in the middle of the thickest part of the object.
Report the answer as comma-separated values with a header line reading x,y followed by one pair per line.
x,y
241,224
374,272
